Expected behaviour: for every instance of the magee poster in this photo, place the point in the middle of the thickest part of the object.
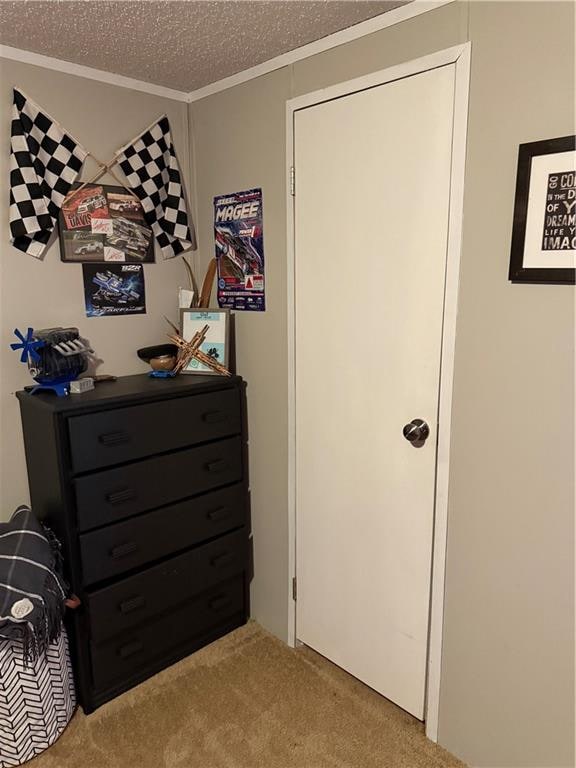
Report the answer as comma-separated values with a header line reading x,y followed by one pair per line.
x,y
239,245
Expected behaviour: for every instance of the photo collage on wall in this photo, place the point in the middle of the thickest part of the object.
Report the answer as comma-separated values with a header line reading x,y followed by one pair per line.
x,y
103,227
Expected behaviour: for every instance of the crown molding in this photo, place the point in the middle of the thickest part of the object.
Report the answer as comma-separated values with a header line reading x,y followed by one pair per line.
x,y
383,20
69,68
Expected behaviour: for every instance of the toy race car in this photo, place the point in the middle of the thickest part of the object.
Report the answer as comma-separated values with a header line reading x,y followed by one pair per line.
x,y
130,206
113,290
239,251
92,204
89,247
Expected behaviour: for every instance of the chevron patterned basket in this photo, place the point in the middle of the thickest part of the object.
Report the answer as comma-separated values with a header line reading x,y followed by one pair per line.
x,y
36,702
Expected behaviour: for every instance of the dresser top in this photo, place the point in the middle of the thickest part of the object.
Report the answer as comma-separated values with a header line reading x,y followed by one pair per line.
x,y
129,389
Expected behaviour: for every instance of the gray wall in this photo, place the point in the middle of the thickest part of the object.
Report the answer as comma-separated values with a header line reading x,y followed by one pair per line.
x,y
508,662
239,144
49,293
506,697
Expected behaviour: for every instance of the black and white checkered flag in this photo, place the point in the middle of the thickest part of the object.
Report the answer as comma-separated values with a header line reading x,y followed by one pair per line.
x,y
150,165
44,163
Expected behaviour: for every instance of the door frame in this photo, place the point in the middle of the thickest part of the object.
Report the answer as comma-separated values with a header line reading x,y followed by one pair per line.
x,y
459,56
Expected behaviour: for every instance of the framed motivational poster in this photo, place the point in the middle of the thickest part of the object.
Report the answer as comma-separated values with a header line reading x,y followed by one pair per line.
x,y
544,232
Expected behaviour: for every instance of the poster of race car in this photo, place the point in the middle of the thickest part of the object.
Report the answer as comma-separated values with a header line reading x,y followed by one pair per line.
x,y
114,289
239,244
104,223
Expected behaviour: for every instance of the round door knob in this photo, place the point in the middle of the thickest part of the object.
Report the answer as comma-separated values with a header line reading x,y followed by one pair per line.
x,y
416,431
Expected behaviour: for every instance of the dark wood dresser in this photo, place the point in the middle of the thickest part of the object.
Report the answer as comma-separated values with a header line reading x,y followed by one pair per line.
x,y
145,483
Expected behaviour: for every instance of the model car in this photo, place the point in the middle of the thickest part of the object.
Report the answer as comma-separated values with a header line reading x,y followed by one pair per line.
x,y
124,243
132,206
85,248
130,229
92,204
134,244
239,251
112,289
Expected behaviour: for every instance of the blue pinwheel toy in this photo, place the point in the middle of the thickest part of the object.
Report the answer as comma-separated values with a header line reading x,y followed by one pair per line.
x,y
54,356
28,345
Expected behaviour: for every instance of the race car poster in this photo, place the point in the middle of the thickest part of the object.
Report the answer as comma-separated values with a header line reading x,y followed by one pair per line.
x,y
114,289
240,250
104,223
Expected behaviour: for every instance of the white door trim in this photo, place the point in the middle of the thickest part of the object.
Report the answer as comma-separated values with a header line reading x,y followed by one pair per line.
x,y
460,56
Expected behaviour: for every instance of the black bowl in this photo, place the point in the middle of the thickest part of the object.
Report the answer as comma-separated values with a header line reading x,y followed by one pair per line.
x,y
147,353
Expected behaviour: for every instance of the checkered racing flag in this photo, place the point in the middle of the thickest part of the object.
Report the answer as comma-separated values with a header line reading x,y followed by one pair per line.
x,y
44,163
150,165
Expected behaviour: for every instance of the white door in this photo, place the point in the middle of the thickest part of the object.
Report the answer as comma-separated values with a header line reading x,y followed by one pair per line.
x,y
371,231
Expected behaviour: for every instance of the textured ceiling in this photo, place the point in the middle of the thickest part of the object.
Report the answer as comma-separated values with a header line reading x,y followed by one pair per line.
x,y
182,45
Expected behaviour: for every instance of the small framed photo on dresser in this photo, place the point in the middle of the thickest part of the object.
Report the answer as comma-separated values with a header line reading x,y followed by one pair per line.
x,y
217,342
544,231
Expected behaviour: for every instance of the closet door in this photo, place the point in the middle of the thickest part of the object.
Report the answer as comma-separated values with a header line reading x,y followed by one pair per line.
x,y
372,176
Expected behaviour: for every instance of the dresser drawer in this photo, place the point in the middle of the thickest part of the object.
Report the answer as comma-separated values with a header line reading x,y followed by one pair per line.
x,y
125,434
124,546
123,658
129,602
108,496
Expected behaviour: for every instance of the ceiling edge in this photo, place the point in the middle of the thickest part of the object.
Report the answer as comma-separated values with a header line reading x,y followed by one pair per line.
x,y
383,20
70,68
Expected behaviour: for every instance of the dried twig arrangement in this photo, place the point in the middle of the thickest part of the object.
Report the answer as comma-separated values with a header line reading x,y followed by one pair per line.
x,y
206,292
191,349
171,324
191,279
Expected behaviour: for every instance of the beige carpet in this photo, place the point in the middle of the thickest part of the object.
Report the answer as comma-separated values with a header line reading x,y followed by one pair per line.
x,y
247,701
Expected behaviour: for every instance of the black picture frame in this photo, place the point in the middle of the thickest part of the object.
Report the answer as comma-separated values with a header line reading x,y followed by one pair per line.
x,y
129,239
519,272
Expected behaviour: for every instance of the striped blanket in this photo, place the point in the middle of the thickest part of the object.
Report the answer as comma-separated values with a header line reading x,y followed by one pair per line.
x,y
32,591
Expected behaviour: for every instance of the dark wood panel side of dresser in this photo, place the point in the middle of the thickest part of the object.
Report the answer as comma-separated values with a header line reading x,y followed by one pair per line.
x,y
51,480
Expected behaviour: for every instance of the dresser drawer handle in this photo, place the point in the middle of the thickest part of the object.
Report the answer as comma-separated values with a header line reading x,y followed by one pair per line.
x,y
213,417
217,466
130,649
219,602
114,438
218,514
120,497
224,559
122,550
133,604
